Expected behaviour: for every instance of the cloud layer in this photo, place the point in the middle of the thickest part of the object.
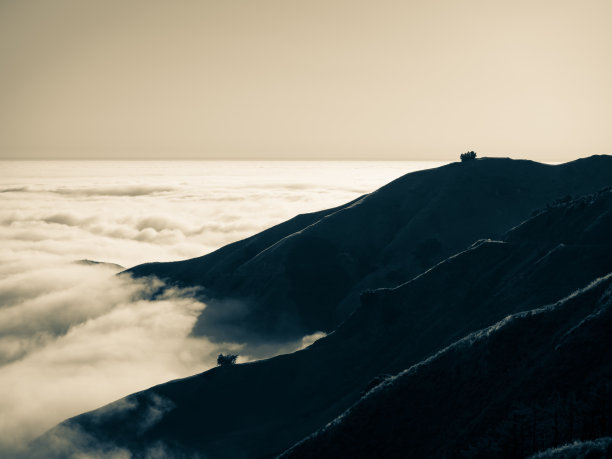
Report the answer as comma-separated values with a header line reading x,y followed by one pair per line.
x,y
75,336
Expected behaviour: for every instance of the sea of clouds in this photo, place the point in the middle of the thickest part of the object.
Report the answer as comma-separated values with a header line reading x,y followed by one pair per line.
x,y
73,335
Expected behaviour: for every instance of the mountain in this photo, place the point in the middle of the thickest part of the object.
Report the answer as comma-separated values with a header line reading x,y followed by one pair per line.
x,y
306,275
105,264
532,380
261,409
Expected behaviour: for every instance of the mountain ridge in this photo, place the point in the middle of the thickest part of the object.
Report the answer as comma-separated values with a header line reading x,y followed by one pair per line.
x,y
262,408
377,429
305,275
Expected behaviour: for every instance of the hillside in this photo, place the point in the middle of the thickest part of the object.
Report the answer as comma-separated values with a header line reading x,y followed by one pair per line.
x,y
533,380
306,274
262,408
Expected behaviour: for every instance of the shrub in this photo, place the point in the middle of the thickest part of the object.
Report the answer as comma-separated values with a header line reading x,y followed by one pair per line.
x,y
228,359
468,156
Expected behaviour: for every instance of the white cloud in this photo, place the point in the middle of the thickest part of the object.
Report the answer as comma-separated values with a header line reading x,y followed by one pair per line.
x,y
74,348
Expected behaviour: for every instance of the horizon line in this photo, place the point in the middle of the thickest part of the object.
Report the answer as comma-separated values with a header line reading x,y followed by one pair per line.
x,y
230,159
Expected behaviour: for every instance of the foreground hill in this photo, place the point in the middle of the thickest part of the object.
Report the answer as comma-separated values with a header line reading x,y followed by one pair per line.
x,y
533,380
262,408
306,274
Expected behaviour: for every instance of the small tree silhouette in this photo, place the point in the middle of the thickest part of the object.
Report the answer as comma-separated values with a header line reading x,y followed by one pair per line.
x,y
228,359
470,155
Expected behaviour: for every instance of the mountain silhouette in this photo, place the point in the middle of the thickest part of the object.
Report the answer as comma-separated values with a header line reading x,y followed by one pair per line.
x,y
306,275
534,379
506,325
105,264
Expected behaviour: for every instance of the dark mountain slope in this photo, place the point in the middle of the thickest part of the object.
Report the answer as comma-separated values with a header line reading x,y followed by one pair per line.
x,y
534,380
306,274
262,408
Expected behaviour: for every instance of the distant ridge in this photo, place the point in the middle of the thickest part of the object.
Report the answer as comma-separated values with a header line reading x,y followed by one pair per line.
x,y
100,263
503,326
306,274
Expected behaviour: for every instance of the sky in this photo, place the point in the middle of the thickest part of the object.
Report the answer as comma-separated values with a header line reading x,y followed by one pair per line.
x,y
317,79
73,336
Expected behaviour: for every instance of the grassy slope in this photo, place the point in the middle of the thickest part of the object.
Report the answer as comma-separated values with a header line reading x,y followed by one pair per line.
x,y
504,391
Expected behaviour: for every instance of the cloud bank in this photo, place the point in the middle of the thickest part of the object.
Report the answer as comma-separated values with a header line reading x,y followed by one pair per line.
x,y
74,336
73,343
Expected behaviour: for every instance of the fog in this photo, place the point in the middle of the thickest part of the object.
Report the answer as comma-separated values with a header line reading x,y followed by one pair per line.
x,y
73,335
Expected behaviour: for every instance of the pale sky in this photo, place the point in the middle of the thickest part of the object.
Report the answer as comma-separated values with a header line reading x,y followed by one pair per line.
x,y
310,79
